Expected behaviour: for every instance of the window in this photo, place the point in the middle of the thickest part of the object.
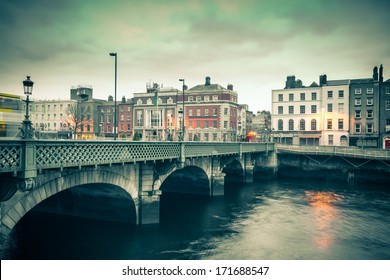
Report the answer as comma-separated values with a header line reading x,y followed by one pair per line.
x,y
358,91
225,124
330,94
313,109
313,96
280,97
190,124
370,101
370,114
280,110
329,123
313,124
302,124
215,111
330,107
357,114
341,124
198,124
341,94
280,125
215,124
341,107
358,102
139,118
206,112
387,89
225,111
198,112
198,98
370,128
190,98
190,112
206,98
302,96
370,90
215,97
290,125
302,109
330,139
291,109
215,136
206,124
387,104
291,97
357,128
206,137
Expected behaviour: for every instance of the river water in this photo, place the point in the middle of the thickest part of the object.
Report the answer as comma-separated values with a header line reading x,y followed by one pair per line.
x,y
271,220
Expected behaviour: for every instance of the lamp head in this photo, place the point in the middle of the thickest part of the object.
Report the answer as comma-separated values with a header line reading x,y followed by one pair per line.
x,y
28,86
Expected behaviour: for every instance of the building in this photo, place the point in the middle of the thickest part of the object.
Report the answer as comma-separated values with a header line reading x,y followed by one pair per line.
x,y
296,113
364,111
51,115
211,113
124,118
335,113
84,115
261,124
384,111
156,114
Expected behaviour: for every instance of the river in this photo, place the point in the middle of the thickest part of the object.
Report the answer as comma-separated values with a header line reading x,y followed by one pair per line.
x,y
270,220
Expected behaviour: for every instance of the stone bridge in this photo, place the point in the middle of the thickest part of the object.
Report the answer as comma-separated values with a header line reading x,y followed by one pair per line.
x,y
32,171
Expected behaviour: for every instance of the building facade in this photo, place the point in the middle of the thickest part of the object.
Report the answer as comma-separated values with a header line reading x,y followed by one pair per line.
x,y
296,113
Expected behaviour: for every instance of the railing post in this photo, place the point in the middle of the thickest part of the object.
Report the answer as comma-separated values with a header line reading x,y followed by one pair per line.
x,y
29,166
182,158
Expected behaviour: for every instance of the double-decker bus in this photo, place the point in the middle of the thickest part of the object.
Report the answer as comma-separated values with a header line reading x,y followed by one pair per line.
x,y
11,114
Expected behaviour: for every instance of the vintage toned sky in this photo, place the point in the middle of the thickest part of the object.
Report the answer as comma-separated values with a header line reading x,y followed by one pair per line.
x,y
252,44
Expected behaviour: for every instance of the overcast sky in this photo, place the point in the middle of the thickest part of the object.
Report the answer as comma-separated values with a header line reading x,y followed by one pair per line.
x,y
252,44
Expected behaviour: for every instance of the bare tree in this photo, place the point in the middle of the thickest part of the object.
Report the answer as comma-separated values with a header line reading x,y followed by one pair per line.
x,y
77,118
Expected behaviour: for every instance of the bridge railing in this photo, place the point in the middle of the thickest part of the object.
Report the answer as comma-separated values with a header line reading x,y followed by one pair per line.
x,y
366,153
46,154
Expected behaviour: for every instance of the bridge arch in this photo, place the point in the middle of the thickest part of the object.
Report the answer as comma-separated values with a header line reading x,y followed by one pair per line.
x,y
187,180
24,202
234,171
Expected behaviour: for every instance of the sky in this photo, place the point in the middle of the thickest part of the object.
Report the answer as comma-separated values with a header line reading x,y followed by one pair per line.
x,y
252,44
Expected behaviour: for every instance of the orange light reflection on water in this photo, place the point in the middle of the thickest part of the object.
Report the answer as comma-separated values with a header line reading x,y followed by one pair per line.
x,y
325,215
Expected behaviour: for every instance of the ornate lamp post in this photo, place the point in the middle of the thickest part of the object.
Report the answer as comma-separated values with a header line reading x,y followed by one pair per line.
x,y
182,123
27,129
115,117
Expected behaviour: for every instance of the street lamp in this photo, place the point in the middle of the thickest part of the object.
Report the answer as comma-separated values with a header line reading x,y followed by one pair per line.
x,y
182,123
115,117
27,129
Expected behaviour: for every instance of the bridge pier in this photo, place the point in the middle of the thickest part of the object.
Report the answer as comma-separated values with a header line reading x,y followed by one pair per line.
x,y
217,184
267,166
149,195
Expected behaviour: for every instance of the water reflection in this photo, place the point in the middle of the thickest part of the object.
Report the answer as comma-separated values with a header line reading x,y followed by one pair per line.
x,y
326,214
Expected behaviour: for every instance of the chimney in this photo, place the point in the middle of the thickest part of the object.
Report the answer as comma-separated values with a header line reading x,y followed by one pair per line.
x,y
381,74
230,87
290,83
323,80
207,81
375,74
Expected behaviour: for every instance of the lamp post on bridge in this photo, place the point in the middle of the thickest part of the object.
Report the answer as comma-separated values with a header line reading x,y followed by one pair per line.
x,y
27,129
115,117
182,122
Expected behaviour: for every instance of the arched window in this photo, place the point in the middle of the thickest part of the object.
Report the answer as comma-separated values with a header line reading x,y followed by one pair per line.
x,y
291,125
280,125
313,125
302,124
